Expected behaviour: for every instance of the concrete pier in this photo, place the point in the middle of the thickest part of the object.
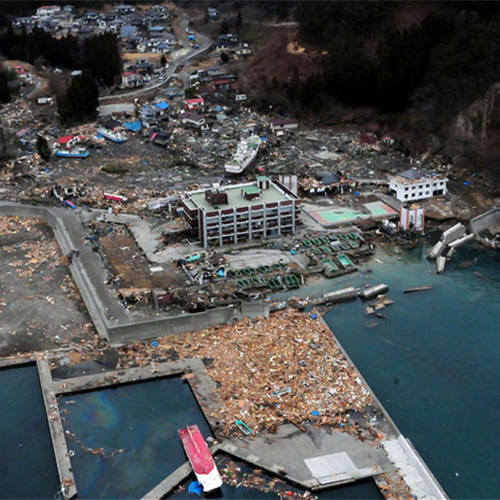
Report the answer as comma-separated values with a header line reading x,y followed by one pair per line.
x,y
173,480
63,462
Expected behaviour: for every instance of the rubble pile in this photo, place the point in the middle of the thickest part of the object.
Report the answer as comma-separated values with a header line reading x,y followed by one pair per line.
x,y
284,369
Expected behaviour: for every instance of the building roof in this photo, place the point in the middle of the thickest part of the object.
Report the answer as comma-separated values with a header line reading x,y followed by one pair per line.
x,y
65,139
162,105
284,121
414,176
199,100
191,116
412,173
328,178
235,198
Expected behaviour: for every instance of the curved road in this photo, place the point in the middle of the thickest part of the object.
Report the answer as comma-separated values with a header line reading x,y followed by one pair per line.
x,y
203,41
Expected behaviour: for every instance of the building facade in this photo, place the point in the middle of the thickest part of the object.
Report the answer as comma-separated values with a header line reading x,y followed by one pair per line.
x,y
239,213
414,185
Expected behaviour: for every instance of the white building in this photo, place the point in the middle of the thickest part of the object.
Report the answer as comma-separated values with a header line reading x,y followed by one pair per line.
x,y
47,11
414,185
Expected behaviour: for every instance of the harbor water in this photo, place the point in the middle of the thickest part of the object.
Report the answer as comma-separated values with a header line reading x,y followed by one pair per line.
x,y
434,361
27,462
136,425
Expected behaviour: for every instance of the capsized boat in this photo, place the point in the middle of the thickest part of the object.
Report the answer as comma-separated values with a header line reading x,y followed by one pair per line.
x,y
245,155
111,135
72,153
200,458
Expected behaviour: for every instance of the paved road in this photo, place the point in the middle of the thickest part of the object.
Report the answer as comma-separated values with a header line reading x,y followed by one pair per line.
x,y
186,55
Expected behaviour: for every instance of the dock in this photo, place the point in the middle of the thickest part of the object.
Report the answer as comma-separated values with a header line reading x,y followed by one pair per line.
x,y
61,452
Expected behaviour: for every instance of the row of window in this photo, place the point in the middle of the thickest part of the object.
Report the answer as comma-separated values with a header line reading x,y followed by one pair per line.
x,y
421,186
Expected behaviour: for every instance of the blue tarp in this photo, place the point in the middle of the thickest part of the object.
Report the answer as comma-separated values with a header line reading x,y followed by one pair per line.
x,y
162,105
196,488
133,126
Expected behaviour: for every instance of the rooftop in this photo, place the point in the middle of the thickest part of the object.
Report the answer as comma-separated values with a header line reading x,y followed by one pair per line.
x,y
236,199
414,176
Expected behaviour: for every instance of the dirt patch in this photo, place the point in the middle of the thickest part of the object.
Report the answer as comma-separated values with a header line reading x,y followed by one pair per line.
x,y
40,305
132,268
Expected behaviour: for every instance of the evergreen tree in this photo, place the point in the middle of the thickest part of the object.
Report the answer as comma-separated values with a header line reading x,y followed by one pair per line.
x,y
224,27
102,56
4,86
42,147
80,102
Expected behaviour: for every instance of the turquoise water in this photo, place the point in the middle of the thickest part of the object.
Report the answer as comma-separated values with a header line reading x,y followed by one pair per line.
x,y
27,463
434,362
142,419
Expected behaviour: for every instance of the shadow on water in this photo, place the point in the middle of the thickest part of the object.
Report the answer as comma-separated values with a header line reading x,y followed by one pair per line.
x,y
27,462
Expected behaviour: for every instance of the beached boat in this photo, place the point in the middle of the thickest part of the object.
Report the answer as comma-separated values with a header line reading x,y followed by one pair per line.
x,y
72,153
200,458
243,427
111,135
245,155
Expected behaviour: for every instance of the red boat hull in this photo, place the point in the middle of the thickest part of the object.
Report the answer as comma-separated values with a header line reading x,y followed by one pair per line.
x,y
200,458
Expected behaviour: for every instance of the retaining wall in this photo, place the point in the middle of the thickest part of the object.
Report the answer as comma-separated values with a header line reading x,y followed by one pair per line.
x,y
158,327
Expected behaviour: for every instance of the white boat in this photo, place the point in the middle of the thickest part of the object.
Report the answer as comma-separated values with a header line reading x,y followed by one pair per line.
x,y
245,155
112,135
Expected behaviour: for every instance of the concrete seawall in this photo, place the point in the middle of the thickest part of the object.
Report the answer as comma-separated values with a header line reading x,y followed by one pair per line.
x,y
173,325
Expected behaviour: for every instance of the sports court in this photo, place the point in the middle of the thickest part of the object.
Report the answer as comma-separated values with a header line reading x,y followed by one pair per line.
x,y
333,216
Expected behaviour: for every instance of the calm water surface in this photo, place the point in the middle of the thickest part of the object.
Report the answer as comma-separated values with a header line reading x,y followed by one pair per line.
x,y
141,418
27,462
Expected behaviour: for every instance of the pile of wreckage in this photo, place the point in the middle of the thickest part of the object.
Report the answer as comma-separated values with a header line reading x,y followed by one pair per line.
x,y
297,371
450,240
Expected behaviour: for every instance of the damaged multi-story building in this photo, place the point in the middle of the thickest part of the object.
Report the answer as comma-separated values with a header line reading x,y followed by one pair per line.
x,y
241,212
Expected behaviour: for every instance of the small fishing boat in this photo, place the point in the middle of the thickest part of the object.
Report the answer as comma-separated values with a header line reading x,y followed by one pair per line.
x,y
292,281
72,153
200,458
243,427
111,135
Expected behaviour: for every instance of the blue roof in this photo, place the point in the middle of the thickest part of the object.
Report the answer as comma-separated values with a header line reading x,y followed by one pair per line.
x,y
162,105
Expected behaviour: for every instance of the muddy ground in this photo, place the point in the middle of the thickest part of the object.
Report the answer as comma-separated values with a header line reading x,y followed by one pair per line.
x,y
40,306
